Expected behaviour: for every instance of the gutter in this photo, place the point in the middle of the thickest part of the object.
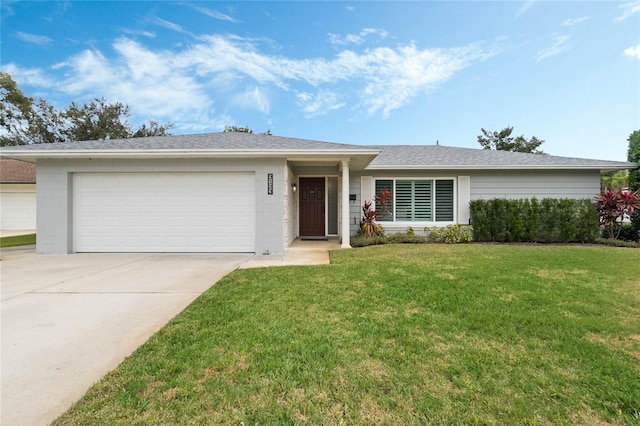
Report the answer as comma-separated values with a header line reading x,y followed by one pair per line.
x,y
30,155
603,167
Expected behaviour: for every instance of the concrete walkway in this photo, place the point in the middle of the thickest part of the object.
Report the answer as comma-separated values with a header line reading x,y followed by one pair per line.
x,y
15,232
67,320
299,253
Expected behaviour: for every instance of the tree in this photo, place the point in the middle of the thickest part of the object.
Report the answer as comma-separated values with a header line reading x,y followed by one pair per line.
x,y
503,141
99,120
24,122
153,129
614,180
231,129
634,175
46,125
15,111
633,154
96,120
245,129
613,206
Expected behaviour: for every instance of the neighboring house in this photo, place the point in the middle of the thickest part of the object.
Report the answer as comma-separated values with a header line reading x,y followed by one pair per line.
x,y
17,195
240,192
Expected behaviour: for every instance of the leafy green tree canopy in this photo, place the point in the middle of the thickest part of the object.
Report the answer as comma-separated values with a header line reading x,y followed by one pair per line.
x,y
23,121
15,111
503,141
633,154
245,129
614,180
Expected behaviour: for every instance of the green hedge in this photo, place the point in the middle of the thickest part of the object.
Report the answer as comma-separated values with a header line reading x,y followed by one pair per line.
x,y
529,220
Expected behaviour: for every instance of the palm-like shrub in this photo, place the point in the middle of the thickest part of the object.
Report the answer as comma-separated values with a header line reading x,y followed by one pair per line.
x,y
612,206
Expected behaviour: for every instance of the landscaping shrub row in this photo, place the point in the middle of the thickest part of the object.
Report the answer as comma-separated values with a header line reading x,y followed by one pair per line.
x,y
530,220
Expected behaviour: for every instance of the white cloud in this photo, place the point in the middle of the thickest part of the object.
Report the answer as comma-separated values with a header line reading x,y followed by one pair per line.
x,y
316,104
169,25
143,79
147,34
628,9
34,39
253,98
526,5
29,76
633,51
560,45
356,39
183,84
214,14
574,21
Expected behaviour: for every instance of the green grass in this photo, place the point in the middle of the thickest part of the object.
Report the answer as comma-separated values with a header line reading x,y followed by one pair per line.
x,y
18,240
398,334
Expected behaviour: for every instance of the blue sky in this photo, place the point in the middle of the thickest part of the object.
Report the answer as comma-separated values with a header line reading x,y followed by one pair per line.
x,y
352,72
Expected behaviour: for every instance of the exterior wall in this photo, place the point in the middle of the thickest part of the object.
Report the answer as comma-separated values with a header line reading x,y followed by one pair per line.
x,y
291,208
355,207
540,184
17,206
511,184
55,198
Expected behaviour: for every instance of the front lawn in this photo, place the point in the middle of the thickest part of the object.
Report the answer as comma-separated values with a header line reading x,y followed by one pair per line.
x,y
398,334
18,240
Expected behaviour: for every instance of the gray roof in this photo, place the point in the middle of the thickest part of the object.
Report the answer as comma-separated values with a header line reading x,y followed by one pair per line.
x,y
446,157
249,144
233,141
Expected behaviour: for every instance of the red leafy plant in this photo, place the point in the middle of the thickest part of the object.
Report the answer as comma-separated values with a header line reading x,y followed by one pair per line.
x,y
381,198
613,205
368,225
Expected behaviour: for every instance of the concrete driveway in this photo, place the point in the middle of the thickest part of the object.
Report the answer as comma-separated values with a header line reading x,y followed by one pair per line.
x,y
69,319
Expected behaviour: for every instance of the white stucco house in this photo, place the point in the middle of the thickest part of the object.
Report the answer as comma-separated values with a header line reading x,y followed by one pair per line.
x,y
239,192
17,195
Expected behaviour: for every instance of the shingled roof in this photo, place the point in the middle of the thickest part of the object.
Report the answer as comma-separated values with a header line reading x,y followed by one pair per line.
x,y
15,171
232,141
238,144
446,157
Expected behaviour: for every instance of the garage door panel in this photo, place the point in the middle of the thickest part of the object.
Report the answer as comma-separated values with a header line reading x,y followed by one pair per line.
x,y
180,212
18,210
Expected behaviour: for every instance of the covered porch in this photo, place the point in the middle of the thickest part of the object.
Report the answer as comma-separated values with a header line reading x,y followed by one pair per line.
x,y
320,197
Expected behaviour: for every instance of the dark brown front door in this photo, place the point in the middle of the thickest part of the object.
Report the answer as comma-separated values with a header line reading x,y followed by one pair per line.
x,y
312,207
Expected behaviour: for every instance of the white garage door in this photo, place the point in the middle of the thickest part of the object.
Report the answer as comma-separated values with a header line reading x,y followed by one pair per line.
x,y
17,210
164,212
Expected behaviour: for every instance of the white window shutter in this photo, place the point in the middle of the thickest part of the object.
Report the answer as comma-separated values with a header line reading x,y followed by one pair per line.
x,y
464,198
366,190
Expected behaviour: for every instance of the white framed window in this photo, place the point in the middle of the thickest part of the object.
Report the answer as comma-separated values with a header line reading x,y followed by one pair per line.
x,y
416,200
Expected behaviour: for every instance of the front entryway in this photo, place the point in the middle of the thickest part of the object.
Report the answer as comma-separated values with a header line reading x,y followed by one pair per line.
x,y
312,207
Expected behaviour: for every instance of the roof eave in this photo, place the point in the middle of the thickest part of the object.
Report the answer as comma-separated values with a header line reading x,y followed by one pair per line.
x,y
31,155
601,167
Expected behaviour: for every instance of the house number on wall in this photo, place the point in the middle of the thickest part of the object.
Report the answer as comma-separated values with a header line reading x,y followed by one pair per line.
x,y
269,183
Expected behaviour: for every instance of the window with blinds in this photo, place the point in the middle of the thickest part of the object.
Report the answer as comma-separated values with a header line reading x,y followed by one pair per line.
x,y
413,200
384,214
444,201
416,200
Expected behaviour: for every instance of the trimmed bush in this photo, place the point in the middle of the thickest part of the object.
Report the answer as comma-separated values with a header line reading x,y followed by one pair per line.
x,y
612,242
397,238
529,220
628,232
451,234
368,240
406,238
635,222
